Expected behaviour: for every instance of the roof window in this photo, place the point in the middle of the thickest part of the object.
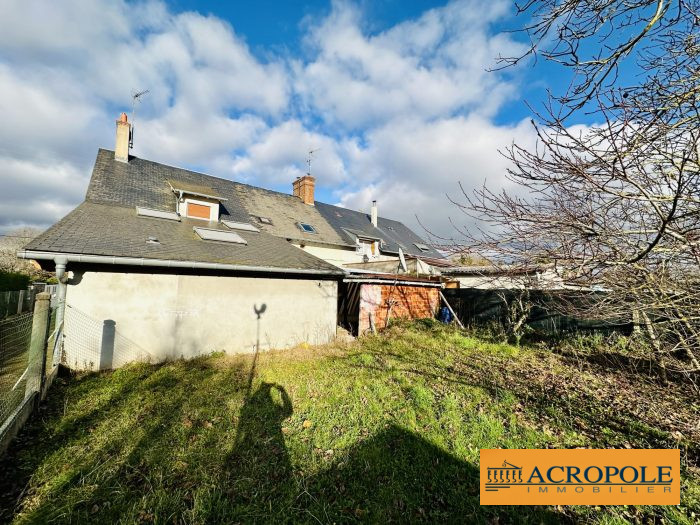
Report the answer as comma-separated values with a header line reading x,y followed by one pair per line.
x,y
157,214
210,234
422,247
306,228
240,226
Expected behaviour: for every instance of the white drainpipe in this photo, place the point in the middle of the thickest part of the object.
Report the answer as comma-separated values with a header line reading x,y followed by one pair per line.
x,y
61,263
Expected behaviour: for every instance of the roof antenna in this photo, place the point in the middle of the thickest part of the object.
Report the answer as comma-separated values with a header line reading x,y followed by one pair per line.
x,y
309,158
135,97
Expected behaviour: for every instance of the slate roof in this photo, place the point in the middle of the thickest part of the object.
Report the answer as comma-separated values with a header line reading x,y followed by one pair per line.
x,y
107,223
333,224
286,212
103,229
394,234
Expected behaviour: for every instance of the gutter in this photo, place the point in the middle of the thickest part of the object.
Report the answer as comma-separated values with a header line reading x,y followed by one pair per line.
x,y
394,283
165,263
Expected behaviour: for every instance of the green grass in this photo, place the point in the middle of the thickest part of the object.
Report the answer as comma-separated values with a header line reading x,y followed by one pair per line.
x,y
386,429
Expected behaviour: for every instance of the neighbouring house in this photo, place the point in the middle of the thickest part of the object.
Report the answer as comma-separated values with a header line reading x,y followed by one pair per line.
x,y
160,262
337,235
490,277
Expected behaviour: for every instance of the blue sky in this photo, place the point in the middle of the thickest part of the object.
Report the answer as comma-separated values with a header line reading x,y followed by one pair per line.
x,y
395,95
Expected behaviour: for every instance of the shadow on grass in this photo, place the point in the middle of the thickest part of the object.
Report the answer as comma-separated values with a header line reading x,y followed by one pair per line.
x,y
397,476
164,447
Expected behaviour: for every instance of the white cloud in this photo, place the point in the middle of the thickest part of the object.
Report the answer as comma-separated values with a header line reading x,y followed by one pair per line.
x,y
400,115
411,166
280,156
430,67
36,192
67,69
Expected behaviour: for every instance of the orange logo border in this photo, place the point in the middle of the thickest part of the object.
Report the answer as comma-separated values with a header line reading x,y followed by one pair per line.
x,y
579,477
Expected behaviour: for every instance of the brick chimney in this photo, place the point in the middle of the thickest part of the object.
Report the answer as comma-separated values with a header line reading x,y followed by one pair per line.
x,y
121,149
303,187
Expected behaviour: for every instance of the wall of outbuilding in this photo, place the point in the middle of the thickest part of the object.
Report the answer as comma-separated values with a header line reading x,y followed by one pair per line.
x,y
408,302
116,317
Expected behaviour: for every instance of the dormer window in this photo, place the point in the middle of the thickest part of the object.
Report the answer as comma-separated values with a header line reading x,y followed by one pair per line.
x,y
368,247
196,201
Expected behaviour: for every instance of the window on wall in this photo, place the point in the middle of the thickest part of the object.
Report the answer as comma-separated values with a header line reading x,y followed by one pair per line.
x,y
198,211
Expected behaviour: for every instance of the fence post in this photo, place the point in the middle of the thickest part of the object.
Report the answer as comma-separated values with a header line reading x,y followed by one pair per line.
x,y
20,302
37,346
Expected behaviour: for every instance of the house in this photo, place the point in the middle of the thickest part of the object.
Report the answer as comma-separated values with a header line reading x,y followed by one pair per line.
x,y
160,262
337,235
493,277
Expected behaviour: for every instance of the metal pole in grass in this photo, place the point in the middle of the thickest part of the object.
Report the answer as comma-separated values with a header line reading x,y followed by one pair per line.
x,y
36,357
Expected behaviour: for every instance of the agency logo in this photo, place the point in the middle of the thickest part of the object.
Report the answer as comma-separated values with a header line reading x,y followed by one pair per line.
x,y
580,477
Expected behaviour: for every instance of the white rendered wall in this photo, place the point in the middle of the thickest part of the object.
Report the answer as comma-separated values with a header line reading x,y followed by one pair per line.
x,y
338,255
158,317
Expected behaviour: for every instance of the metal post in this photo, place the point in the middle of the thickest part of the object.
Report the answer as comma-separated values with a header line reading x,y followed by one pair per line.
x,y
454,315
37,347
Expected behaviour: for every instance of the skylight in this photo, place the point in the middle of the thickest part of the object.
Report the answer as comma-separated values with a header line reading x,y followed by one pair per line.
x,y
240,226
422,247
307,228
210,234
157,214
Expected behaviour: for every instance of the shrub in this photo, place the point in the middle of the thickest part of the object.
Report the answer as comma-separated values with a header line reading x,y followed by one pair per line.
x,y
11,281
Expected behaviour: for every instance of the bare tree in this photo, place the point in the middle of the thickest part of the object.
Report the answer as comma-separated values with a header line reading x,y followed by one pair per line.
x,y
614,206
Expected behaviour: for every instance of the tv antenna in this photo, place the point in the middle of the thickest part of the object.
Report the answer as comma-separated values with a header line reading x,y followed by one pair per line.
x,y
309,158
135,97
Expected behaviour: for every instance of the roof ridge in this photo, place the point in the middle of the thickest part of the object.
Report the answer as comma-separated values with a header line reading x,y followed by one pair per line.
x,y
245,184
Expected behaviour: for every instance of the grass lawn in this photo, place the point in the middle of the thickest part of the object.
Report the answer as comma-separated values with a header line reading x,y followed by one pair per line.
x,y
385,429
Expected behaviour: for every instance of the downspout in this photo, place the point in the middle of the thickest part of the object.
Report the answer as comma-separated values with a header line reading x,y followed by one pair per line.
x,y
61,263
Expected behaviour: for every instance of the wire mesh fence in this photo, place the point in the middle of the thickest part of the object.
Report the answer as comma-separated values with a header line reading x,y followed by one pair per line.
x,y
475,307
28,343
92,344
15,336
16,302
